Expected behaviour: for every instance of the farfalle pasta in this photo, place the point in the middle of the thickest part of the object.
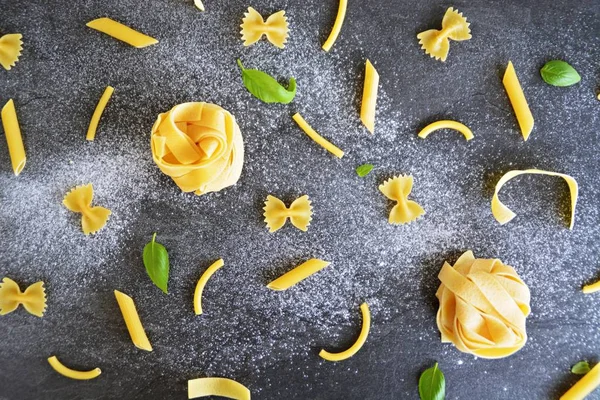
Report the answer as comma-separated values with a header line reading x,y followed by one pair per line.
x,y
436,42
33,298
483,306
11,46
398,189
200,146
276,213
79,200
275,28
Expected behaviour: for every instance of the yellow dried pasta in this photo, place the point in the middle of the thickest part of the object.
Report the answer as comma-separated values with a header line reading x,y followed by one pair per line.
x,y
504,214
91,133
369,99
121,32
337,25
33,298
436,42
586,385
223,387
483,306
276,213
275,28
446,124
298,274
11,46
71,373
320,140
397,189
202,283
518,100
199,5
358,344
79,200
132,321
14,140
592,288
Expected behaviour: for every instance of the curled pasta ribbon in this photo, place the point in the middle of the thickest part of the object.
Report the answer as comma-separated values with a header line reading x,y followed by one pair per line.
x,y
11,46
586,385
202,283
276,213
360,341
446,124
33,298
298,274
483,306
223,387
398,189
200,146
504,214
72,373
79,200
275,28
436,42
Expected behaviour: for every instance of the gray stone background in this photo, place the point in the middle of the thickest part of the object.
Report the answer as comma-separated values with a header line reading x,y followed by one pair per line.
x,y
267,340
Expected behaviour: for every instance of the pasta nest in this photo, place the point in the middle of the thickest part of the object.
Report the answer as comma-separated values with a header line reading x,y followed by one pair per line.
x,y
200,146
483,306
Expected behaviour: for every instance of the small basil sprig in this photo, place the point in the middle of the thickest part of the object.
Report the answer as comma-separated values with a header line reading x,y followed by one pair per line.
x,y
363,170
432,384
581,368
156,261
266,88
559,73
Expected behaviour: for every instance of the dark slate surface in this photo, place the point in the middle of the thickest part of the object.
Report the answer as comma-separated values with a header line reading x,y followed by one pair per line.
x,y
269,341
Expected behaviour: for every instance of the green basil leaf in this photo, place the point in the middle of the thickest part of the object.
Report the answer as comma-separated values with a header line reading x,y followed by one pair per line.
x,y
432,384
363,170
156,261
559,73
581,368
266,88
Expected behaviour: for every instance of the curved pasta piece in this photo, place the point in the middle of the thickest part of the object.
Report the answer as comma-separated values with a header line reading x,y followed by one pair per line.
x,y
504,214
436,42
121,32
275,28
369,100
12,131
79,200
91,133
199,5
446,124
594,287
326,144
397,189
337,25
586,385
483,307
132,321
223,387
276,213
202,282
518,101
360,341
298,274
11,46
71,373
33,298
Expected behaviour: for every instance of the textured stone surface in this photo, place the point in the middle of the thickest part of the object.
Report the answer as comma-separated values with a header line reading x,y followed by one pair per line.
x,y
268,340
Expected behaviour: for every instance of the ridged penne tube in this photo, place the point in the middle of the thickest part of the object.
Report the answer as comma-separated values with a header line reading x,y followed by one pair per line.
x,y
584,386
504,214
298,274
326,144
72,373
202,282
360,341
13,137
446,124
518,101
223,387
91,133
121,32
337,25
369,99
133,322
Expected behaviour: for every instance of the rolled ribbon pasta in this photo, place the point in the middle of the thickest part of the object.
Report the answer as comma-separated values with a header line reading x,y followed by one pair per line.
x,y
298,274
10,122
504,214
71,373
360,341
483,306
200,146
223,387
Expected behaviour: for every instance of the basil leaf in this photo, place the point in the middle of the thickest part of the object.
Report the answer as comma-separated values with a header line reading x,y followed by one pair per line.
x,y
432,384
363,170
559,73
581,368
266,88
156,261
